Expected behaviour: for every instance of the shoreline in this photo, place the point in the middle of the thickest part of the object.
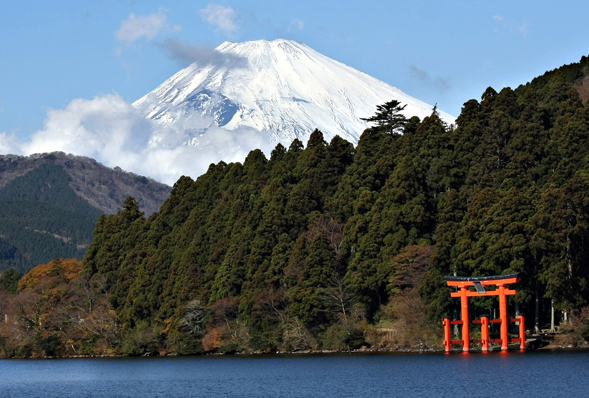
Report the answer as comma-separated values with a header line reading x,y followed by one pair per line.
x,y
409,350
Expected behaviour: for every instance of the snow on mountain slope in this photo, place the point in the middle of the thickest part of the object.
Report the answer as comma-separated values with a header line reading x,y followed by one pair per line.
x,y
282,88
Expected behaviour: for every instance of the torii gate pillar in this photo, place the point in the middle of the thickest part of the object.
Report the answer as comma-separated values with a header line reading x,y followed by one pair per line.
x,y
464,318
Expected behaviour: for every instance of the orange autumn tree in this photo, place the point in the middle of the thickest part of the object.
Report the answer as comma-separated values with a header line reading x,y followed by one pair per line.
x,y
58,312
66,269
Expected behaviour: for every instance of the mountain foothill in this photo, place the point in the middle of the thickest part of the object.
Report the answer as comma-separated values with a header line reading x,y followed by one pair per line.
x,y
49,204
327,245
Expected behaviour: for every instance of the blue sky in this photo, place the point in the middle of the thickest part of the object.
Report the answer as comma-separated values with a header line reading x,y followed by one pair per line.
x,y
440,52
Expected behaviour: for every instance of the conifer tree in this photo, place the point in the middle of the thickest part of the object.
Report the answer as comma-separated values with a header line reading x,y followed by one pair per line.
x,y
388,118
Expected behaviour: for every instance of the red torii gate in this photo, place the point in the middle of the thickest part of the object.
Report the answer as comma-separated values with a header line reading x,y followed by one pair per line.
x,y
464,293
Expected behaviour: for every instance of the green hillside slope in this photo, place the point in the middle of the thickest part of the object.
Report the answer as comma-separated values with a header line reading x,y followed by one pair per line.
x,y
42,218
323,237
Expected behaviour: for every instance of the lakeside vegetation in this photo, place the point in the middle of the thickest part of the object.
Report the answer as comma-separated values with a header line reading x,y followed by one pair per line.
x,y
331,246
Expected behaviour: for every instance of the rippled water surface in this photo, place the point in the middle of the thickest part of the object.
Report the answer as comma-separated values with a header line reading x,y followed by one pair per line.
x,y
513,374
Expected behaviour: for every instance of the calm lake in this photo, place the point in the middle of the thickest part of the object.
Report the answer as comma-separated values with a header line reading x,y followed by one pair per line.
x,y
513,374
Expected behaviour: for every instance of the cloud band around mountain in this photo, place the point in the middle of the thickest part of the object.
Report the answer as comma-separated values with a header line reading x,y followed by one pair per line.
x,y
113,132
186,53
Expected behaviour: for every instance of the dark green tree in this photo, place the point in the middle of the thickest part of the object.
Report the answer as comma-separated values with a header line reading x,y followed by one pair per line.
x,y
388,118
9,280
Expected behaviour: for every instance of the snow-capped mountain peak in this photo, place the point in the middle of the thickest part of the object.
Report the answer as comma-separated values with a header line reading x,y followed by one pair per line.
x,y
282,88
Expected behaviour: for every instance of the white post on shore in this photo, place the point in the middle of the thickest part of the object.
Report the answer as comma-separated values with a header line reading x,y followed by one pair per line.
x,y
552,316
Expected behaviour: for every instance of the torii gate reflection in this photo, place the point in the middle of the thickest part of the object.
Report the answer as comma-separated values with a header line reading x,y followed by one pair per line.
x,y
464,293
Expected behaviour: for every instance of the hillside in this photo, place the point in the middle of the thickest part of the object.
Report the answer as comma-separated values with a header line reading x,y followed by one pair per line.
x,y
333,246
102,187
49,205
506,191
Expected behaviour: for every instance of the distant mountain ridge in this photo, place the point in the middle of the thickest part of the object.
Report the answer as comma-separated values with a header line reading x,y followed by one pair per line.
x,y
102,187
49,205
282,88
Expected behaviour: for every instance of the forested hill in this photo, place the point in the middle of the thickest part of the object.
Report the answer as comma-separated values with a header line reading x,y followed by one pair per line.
x,y
102,187
43,219
329,245
49,205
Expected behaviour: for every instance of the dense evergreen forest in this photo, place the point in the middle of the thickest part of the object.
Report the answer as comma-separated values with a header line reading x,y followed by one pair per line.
x,y
42,218
327,245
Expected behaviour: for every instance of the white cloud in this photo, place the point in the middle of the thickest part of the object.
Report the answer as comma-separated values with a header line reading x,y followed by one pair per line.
x,y
9,144
138,26
105,128
507,25
222,17
114,133
296,24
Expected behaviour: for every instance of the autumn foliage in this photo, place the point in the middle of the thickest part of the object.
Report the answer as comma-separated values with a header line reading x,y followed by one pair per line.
x,y
57,312
62,268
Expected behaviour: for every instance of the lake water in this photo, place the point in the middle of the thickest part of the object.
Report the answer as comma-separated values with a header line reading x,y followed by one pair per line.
x,y
513,374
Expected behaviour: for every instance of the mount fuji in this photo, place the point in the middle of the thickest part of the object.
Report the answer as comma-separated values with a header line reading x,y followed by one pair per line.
x,y
280,88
